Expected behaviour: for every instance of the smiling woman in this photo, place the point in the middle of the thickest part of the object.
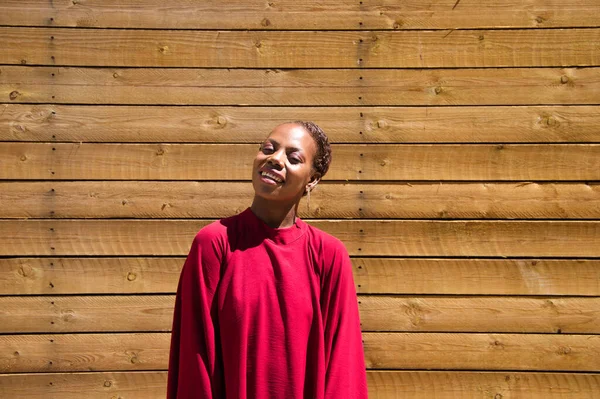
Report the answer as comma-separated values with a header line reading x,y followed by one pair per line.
x,y
266,304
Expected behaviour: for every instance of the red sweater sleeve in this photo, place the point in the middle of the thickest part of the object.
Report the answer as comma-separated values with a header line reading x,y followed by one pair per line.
x,y
194,366
344,356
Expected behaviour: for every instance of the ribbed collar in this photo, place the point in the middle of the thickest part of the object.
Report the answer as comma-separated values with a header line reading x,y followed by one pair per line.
x,y
284,235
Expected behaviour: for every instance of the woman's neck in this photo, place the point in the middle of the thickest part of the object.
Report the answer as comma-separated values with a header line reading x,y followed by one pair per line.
x,y
275,215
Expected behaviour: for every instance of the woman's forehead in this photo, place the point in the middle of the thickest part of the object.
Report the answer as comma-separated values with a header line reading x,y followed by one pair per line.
x,y
292,135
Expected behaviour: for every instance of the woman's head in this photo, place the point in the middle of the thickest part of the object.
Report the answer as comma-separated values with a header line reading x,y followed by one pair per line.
x,y
290,161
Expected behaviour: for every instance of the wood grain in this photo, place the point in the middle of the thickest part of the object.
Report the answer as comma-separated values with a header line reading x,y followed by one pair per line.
x,y
301,49
361,237
62,314
83,352
480,385
436,351
487,124
158,200
35,276
382,385
480,314
305,87
339,14
416,162
477,276
153,313
96,385
89,275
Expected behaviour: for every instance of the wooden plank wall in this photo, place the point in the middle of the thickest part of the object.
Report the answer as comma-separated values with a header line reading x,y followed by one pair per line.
x,y
465,181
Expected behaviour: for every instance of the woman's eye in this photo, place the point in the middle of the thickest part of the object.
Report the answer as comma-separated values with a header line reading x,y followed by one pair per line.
x,y
267,150
295,160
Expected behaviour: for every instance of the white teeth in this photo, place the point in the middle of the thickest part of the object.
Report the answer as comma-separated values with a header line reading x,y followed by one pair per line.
x,y
272,176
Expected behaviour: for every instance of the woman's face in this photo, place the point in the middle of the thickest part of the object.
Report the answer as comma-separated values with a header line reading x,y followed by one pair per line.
x,y
284,164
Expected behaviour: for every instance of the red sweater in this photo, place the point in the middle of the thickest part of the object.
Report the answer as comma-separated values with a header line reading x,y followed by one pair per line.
x,y
266,313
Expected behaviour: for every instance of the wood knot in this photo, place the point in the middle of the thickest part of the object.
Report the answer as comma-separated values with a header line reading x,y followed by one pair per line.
x,y
498,344
107,384
25,270
564,79
539,19
163,49
221,120
23,158
396,25
481,37
258,44
115,75
160,151
438,89
265,22
67,315
498,396
381,124
14,94
564,350
131,276
550,121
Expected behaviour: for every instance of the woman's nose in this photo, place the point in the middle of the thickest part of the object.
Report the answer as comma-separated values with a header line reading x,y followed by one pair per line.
x,y
276,159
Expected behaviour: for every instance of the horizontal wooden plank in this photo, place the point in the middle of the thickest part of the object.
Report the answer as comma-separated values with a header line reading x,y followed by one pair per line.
x,y
61,314
130,385
382,385
436,351
76,123
547,352
157,200
310,87
473,314
361,237
300,49
416,162
472,276
43,276
480,385
35,276
339,14
84,352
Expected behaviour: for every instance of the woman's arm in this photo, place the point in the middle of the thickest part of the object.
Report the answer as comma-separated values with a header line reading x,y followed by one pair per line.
x,y
344,356
194,363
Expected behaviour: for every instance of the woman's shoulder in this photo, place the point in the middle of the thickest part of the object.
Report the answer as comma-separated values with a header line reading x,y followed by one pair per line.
x,y
216,230
324,241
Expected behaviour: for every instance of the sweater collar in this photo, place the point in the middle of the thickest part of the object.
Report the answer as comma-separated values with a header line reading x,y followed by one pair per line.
x,y
284,235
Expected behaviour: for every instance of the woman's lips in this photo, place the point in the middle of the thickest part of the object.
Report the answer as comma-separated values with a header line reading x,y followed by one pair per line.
x,y
270,176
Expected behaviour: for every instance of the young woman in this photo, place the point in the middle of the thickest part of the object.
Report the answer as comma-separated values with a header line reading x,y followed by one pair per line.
x,y
266,305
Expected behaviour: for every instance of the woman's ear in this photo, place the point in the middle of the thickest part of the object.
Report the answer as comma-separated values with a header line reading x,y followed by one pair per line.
x,y
314,180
